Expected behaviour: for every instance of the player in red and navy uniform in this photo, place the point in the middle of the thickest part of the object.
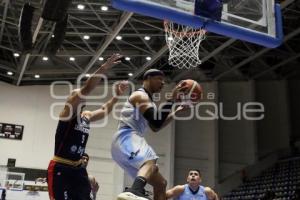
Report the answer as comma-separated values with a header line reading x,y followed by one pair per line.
x,y
67,179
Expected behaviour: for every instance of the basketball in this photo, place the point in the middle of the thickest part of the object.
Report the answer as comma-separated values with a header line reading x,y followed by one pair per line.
x,y
192,91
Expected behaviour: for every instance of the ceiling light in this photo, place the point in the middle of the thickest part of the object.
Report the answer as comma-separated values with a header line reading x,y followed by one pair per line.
x,y
86,37
10,73
16,54
36,76
71,58
45,58
80,6
52,35
87,75
148,58
130,74
104,8
119,37
101,58
147,37
127,58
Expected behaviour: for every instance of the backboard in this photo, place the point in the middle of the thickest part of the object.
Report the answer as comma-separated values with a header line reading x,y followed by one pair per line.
x,y
256,21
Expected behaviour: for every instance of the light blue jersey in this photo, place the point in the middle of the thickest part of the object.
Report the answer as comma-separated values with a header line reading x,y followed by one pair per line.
x,y
129,147
131,117
188,195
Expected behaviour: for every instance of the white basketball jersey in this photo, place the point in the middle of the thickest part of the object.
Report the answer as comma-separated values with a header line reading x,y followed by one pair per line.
x,y
131,117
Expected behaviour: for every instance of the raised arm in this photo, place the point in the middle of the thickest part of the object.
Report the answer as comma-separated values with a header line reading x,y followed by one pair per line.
x,y
174,192
108,106
94,80
78,95
173,114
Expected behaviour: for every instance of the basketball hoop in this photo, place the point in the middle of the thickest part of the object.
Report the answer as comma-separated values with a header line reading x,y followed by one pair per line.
x,y
183,42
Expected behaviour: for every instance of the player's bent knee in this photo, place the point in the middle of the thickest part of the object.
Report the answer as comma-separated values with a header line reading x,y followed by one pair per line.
x,y
155,169
164,183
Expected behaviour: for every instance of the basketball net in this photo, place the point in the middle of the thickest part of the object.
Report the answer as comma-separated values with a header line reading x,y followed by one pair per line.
x,y
183,42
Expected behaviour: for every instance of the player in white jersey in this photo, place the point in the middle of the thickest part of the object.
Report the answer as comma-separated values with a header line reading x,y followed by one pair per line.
x,y
192,190
129,147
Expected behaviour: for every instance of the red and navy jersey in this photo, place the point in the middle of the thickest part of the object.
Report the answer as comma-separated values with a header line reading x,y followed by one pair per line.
x,y
71,138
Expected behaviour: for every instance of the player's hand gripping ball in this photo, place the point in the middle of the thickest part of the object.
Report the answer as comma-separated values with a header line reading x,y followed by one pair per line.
x,y
191,91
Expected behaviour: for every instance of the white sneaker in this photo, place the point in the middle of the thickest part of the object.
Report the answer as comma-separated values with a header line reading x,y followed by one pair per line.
x,y
129,196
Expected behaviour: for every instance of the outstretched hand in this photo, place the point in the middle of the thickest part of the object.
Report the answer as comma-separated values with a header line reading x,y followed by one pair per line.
x,y
112,60
120,87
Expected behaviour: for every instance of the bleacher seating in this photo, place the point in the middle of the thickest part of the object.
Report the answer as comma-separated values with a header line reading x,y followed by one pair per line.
x,y
282,181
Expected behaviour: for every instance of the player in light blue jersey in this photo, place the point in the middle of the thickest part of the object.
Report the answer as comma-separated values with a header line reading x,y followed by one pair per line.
x,y
192,190
129,147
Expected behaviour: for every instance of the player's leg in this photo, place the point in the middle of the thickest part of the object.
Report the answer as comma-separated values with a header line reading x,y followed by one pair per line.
x,y
159,185
148,173
81,187
137,158
151,172
136,191
58,187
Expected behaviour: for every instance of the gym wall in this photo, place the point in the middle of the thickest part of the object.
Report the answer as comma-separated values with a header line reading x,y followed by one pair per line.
x,y
30,106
